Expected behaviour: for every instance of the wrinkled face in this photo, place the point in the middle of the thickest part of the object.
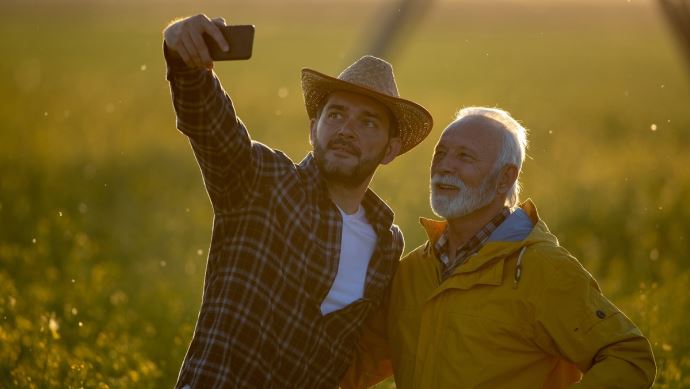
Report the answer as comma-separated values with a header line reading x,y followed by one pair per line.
x,y
463,174
351,138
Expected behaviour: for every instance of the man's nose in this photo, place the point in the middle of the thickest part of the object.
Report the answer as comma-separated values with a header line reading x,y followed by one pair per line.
x,y
347,129
442,166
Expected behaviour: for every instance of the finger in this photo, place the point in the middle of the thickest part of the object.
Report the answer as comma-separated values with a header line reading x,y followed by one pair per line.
x,y
192,50
171,36
219,21
214,30
202,50
184,54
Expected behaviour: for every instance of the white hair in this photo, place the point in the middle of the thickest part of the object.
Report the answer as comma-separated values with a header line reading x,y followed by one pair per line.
x,y
513,146
467,200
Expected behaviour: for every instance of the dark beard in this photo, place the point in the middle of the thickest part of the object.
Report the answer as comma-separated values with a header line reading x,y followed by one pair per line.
x,y
351,177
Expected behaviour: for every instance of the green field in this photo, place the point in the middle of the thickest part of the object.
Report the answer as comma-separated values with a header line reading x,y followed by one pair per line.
x,y
105,224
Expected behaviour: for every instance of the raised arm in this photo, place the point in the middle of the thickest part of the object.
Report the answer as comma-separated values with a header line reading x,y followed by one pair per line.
x,y
205,112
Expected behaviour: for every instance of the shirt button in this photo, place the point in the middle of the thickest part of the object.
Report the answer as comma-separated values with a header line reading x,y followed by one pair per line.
x,y
601,314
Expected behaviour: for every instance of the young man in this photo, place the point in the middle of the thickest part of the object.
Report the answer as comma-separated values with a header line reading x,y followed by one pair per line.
x,y
492,300
300,253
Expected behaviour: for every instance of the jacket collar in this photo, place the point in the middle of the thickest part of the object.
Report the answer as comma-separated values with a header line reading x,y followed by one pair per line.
x,y
515,227
486,266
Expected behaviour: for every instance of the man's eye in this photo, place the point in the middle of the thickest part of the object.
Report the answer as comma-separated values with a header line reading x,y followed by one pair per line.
x,y
335,115
370,123
466,157
439,154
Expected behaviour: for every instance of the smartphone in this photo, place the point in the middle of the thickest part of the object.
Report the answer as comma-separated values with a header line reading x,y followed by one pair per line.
x,y
240,39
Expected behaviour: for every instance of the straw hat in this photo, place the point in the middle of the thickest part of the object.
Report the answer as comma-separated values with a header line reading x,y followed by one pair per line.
x,y
373,77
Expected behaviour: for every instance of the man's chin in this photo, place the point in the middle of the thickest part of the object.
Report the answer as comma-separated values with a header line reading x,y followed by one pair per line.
x,y
447,207
336,159
341,154
441,205
445,195
337,167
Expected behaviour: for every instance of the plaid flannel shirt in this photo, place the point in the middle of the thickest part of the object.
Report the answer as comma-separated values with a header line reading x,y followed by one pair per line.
x,y
473,245
273,258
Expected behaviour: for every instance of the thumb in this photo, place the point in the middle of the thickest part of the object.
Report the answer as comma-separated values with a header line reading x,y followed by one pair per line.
x,y
219,21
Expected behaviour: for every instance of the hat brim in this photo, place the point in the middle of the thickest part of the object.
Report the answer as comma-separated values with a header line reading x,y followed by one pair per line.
x,y
413,121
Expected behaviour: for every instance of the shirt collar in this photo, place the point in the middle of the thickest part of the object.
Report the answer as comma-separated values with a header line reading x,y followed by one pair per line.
x,y
474,244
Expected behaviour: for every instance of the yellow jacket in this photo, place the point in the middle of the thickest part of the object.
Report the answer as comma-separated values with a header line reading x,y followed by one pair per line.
x,y
521,313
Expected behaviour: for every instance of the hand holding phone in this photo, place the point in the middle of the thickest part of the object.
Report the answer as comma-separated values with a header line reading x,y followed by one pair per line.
x,y
199,41
240,39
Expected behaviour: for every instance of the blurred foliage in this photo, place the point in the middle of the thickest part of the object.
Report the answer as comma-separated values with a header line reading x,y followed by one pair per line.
x,y
104,222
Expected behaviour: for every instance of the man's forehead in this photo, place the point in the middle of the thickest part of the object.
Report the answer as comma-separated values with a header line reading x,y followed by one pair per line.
x,y
472,132
359,100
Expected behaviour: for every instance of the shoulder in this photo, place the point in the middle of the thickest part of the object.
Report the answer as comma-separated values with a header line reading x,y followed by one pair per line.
x,y
278,174
417,274
553,267
419,257
274,157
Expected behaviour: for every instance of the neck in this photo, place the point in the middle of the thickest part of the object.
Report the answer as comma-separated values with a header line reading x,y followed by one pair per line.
x,y
348,198
461,229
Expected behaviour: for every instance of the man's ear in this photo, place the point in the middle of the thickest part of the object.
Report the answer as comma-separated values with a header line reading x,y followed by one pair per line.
x,y
312,132
506,178
392,150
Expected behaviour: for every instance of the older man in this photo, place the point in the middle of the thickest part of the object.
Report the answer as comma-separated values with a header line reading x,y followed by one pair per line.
x,y
300,253
492,300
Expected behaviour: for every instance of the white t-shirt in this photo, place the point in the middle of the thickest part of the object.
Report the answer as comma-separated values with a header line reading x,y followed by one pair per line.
x,y
356,247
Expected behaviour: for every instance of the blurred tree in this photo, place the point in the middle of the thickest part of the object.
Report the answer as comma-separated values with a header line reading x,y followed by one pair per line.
x,y
397,19
677,14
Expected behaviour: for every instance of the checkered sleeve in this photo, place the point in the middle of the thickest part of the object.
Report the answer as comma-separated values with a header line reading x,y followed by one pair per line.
x,y
220,141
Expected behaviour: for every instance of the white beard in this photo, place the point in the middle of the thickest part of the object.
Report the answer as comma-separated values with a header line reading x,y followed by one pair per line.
x,y
466,201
